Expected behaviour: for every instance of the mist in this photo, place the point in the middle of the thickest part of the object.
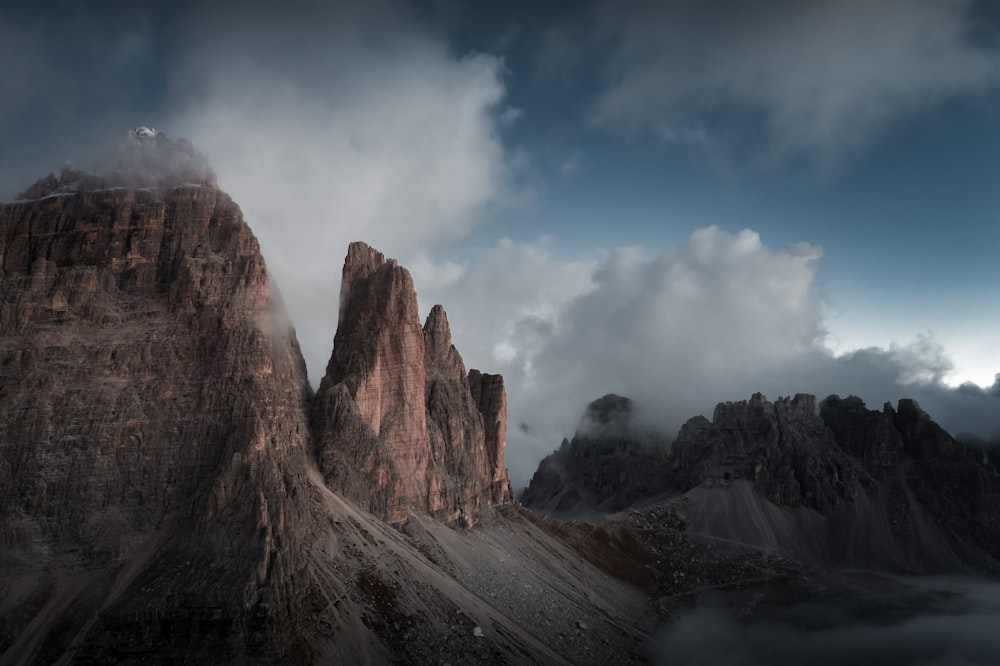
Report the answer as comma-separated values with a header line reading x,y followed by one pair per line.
x,y
934,622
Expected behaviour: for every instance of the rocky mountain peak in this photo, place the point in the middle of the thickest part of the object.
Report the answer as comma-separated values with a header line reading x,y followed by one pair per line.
x,y
436,328
397,427
608,414
144,158
361,262
828,481
610,463
153,421
143,133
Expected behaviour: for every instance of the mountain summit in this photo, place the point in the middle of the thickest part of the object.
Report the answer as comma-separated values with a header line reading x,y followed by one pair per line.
x,y
144,157
396,425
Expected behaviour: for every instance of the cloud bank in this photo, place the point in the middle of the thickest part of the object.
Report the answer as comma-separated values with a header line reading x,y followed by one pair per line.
x,y
719,318
358,125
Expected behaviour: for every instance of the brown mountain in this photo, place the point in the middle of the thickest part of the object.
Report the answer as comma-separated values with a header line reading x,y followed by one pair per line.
x,y
161,492
153,432
397,427
826,483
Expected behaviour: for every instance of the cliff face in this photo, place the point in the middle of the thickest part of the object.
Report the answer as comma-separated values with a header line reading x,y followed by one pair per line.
x,y
844,484
397,427
154,423
609,465
158,497
830,482
956,487
783,447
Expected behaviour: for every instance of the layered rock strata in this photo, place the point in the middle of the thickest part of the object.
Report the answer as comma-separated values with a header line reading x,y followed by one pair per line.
x,y
154,427
397,427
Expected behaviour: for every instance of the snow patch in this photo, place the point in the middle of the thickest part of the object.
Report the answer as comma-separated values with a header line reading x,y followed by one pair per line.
x,y
141,133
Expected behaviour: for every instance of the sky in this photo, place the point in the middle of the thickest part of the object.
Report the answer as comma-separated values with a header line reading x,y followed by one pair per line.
x,y
678,201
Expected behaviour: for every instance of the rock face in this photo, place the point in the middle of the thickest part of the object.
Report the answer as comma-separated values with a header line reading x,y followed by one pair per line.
x,y
783,447
828,483
957,487
609,465
153,430
397,425
887,489
159,497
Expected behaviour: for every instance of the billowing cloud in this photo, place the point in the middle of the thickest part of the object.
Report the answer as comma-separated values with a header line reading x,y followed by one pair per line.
x,y
719,318
357,125
820,77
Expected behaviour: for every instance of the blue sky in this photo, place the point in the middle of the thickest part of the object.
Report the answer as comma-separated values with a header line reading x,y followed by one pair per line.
x,y
679,201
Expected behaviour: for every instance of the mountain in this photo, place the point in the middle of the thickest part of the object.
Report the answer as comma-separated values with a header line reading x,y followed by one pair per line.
x,y
399,395
827,483
610,464
154,430
172,492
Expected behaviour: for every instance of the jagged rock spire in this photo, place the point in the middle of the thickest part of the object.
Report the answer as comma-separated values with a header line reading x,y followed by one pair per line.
x,y
397,428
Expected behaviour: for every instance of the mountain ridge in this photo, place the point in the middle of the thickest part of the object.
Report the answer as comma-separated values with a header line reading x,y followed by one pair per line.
x,y
843,484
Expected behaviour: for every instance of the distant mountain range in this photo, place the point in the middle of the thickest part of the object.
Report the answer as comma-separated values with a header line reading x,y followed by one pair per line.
x,y
829,483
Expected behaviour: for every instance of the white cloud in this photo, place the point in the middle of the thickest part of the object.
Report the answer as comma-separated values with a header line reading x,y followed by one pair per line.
x,y
717,319
823,76
390,141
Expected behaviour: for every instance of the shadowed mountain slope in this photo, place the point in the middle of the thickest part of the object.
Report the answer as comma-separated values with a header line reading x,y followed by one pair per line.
x,y
828,483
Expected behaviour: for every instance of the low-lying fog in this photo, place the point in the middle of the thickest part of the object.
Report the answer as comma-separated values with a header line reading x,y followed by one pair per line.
x,y
870,620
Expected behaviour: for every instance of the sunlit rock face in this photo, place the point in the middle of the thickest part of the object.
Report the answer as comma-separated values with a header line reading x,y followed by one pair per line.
x,y
153,427
397,428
